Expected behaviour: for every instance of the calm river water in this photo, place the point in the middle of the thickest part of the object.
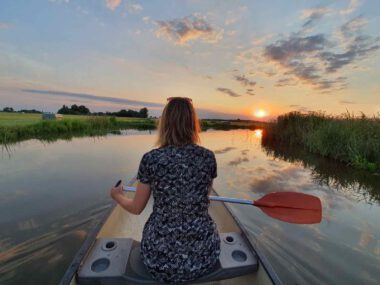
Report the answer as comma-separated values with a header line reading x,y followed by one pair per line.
x,y
52,193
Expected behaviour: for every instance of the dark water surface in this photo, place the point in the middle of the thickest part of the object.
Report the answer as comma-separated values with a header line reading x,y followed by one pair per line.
x,y
52,194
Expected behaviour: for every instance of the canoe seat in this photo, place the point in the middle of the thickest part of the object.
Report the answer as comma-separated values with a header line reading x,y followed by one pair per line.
x,y
117,261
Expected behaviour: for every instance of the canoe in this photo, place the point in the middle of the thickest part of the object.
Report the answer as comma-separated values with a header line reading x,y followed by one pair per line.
x,y
110,253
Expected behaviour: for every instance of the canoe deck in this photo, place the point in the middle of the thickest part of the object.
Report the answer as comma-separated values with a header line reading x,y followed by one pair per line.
x,y
121,224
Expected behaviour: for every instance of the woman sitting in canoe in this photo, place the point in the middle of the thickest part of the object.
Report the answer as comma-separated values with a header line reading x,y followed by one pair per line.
x,y
180,241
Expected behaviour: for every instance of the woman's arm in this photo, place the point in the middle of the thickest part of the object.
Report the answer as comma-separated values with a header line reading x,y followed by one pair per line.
x,y
139,201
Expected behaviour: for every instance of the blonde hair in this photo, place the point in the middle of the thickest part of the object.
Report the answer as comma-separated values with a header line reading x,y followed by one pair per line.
x,y
179,124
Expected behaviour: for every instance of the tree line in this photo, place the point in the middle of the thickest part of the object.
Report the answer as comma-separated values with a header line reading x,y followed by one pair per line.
x,y
11,110
83,110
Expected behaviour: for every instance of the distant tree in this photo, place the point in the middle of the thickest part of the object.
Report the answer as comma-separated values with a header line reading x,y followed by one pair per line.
x,y
122,113
83,110
8,109
74,110
33,111
144,113
75,107
64,110
127,113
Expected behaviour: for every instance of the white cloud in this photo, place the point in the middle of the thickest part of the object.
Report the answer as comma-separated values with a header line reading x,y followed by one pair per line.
x,y
353,26
134,8
312,16
319,10
354,4
233,16
146,19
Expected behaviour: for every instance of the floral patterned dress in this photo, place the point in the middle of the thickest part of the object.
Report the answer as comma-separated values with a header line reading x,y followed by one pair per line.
x,y
180,240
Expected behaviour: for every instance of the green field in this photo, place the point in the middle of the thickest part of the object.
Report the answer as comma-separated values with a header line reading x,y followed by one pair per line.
x,y
351,140
18,119
15,127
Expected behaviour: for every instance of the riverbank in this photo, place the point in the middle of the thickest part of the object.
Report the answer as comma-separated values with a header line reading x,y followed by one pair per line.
x,y
15,127
352,140
19,127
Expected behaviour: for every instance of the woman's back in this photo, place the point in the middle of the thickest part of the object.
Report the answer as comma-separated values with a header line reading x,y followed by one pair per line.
x,y
180,240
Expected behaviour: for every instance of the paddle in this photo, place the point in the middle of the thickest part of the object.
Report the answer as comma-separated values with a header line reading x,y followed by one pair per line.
x,y
290,207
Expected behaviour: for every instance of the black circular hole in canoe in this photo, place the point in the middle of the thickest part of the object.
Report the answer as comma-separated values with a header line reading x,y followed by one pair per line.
x,y
229,239
100,264
110,245
239,255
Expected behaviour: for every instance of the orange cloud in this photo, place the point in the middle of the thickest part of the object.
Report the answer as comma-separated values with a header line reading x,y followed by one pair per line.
x,y
113,4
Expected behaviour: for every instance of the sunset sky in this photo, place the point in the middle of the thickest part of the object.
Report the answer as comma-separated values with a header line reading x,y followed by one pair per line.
x,y
233,58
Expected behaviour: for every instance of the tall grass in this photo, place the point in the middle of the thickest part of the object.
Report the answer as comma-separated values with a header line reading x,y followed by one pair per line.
x,y
349,139
355,183
67,128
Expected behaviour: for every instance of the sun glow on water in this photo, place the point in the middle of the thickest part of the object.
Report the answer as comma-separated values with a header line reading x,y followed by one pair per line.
x,y
258,133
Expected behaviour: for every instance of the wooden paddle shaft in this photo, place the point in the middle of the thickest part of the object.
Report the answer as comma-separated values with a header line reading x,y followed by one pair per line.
x,y
213,198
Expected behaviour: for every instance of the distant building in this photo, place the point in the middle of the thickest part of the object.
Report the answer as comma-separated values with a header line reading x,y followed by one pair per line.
x,y
48,116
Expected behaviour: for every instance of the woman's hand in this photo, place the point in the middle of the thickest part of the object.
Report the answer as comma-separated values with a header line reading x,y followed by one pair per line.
x,y
116,192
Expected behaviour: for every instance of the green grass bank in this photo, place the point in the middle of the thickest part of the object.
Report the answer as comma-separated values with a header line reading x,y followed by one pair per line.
x,y
352,140
33,127
15,127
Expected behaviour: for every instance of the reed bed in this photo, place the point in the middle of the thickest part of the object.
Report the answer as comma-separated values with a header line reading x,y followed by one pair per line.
x,y
346,138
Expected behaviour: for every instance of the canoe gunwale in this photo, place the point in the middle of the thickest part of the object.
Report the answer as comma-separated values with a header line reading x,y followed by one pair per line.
x,y
87,244
263,260
84,249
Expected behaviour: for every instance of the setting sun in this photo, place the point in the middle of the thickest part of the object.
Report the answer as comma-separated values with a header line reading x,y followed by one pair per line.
x,y
260,113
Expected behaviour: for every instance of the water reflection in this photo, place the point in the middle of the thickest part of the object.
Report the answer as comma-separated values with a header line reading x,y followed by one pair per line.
x,y
341,249
356,184
224,150
51,194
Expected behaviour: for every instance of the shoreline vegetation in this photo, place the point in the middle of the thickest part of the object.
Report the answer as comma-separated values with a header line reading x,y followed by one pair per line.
x,y
354,141
17,127
362,184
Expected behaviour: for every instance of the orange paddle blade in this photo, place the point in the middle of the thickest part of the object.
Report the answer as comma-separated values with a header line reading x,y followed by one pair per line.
x,y
294,216
292,200
291,207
